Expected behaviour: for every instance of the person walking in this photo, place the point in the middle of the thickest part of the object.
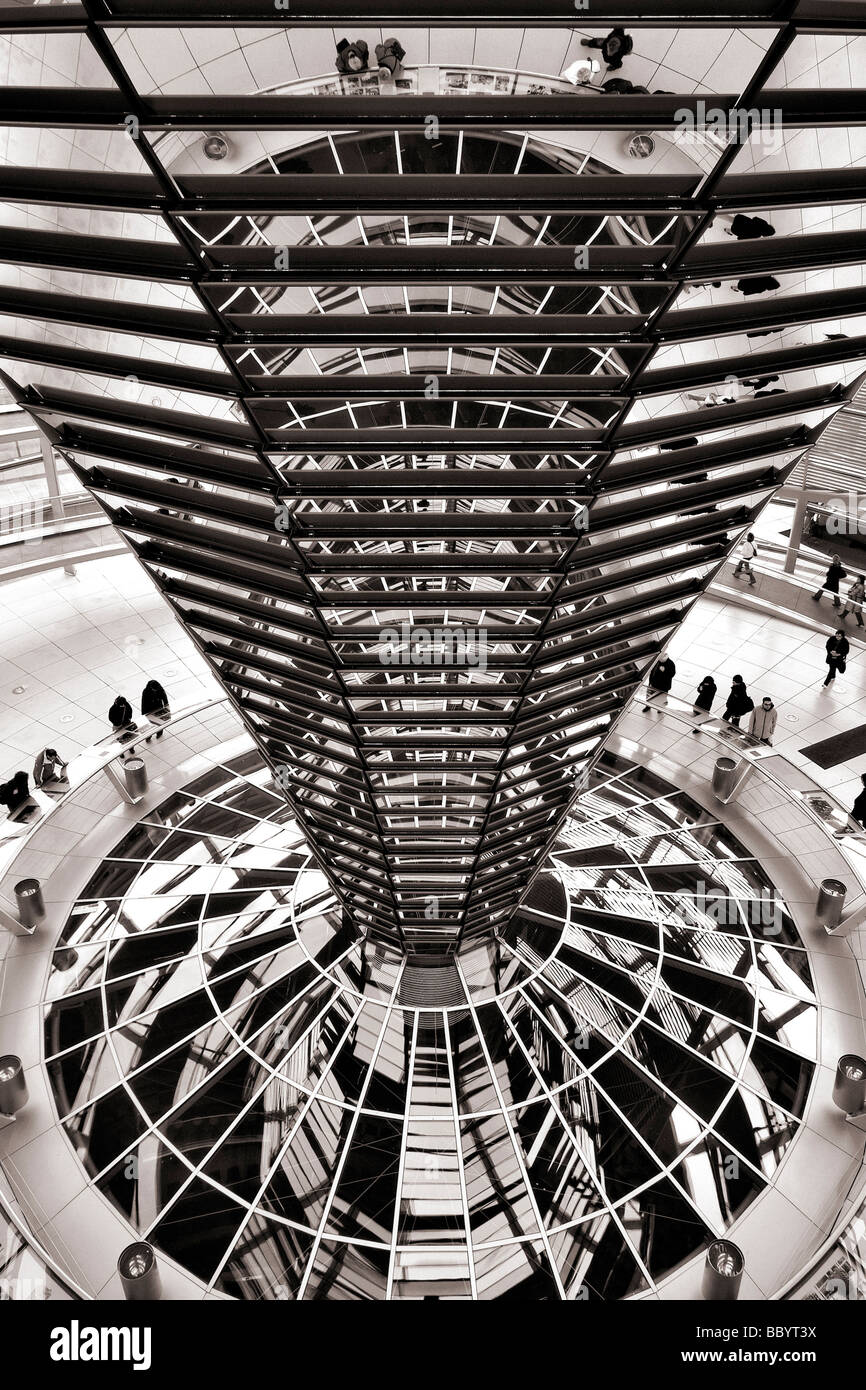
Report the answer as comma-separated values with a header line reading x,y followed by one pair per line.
x,y
389,56
614,47
154,703
661,679
854,603
739,702
763,721
748,551
838,648
352,57
831,581
858,810
49,767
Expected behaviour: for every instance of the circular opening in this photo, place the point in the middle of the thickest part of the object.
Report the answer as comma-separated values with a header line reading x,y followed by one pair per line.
x,y
136,1261
853,1067
9,1068
726,1259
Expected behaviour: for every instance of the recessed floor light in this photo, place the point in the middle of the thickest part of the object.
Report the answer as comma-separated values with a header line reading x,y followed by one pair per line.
x,y
66,718
18,689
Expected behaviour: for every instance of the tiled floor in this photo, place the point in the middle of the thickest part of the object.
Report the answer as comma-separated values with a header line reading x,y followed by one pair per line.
x,y
782,659
69,644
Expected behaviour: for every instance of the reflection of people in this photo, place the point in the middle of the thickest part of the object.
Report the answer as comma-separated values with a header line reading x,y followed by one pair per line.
x,y
389,56
858,810
352,57
747,228
614,47
49,767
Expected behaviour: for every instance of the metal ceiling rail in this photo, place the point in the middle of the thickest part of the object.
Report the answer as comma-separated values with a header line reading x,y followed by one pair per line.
x,y
826,15
586,109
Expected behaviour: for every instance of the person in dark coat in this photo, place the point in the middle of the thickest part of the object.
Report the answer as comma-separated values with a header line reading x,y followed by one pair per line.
x,y
154,702
838,648
748,228
831,581
858,810
614,47
389,56
739,702
120,718
757,284
620,86
15,796
706,693
661,678
352,57
690,442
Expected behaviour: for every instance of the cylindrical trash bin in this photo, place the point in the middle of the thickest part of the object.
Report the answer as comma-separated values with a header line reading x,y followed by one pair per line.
x,y
849,1088
724,776
13,1087
723,1272
31,904
136,776
831,900
139,1273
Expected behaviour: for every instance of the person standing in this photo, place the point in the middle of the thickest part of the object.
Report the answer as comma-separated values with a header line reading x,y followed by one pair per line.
x,y
739,702
748,551
854,603
389,56
154,703
120,718
661,679
706,693
352,57
614,47
763,720
831,581
858,810
838,648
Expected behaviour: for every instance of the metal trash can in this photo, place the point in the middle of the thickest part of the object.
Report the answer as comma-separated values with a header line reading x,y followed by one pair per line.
x,y
723,1272
31,904
13,1087
849,1087
831,900
135,772
139,1273
724,776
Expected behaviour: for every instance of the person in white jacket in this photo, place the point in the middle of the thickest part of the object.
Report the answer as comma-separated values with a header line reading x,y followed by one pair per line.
x,y
748,551
763,720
